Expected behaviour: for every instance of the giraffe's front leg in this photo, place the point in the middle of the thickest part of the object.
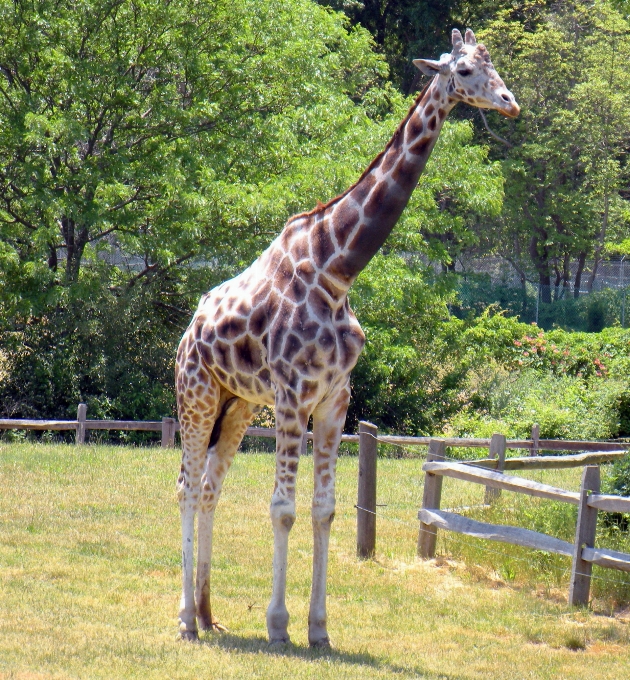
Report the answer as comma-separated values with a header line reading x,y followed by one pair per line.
x,y
194,443
328,422
290,429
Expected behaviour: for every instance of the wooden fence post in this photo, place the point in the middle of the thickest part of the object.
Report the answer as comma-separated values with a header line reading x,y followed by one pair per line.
x,y
81,430
431,497
497,450
584,537
366,498
535,440
168,433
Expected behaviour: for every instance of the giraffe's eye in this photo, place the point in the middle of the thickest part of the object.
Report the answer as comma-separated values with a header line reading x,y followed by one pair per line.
x,y
464,72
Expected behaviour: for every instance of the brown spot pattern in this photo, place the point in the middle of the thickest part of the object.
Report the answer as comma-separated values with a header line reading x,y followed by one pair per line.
x,y
375,203
421,146
346,219
415,127
306,272
322,245
362,190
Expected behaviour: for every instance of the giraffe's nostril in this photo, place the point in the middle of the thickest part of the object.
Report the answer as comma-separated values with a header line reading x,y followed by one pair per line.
x,y
505,97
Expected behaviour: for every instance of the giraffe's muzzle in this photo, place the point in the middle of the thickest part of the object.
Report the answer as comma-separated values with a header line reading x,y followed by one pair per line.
x,y
511,110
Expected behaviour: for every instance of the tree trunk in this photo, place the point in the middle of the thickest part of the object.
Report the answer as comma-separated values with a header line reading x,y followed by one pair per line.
x,y
540,258
52,257
75,240
566,276
600,245
578,275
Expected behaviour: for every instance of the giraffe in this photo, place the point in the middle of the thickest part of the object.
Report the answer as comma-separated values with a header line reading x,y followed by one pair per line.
x,y
282,333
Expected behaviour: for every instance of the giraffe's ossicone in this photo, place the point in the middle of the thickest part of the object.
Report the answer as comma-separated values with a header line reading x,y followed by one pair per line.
x,y
282,333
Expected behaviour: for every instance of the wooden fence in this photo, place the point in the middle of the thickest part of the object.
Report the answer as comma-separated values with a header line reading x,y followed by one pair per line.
x,y
590,453
589,500
167,426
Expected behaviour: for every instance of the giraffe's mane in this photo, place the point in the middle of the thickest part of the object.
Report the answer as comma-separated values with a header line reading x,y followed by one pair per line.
x,y
321,207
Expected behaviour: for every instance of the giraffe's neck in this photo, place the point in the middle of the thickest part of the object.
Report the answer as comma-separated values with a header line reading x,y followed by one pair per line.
x,y
363,217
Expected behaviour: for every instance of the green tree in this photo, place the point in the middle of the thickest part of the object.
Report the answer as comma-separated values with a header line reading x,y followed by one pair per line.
x,y
403,30
566,167
406,29
406,379
157,123
460,190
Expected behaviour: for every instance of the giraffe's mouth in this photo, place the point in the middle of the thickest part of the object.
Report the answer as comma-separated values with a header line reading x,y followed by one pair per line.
x,y
510,111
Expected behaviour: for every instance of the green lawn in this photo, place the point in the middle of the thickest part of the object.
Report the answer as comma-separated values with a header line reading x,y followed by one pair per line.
x,y
89,571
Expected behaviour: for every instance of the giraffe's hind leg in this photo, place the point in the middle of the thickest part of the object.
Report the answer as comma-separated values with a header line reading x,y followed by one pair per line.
x,y
198,403
229,429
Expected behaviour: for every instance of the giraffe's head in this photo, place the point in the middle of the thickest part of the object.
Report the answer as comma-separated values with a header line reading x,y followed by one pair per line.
x,y
470,76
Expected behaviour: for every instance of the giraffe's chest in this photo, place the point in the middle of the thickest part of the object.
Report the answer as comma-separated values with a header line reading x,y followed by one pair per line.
x,y
254,339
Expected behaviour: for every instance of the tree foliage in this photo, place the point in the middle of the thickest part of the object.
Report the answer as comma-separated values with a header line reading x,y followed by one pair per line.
x,y
406,29
182,135
167,126
566,170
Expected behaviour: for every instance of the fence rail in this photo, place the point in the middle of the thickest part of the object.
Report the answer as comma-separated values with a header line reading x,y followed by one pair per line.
x,y
172,426
582,551
441,519
167,426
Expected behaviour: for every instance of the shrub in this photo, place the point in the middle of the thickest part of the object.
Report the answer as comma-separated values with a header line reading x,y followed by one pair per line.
x,y
565,407
617,481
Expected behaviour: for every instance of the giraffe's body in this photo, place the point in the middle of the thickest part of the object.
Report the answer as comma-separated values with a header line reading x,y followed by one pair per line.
x,y
282,333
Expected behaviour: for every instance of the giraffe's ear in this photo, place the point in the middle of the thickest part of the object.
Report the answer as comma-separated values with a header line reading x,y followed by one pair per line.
x,y
430,67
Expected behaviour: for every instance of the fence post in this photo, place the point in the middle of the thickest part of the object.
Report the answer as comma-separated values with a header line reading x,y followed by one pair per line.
x,y
535,440
431,497
81,430
497,450
168,433
584,536
366,497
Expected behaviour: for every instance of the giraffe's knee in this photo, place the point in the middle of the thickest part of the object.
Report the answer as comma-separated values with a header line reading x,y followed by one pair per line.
x,y
323,511
187,487
183,487
282,514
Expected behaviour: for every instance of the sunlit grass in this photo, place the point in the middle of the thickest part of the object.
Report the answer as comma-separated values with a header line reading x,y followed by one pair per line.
x,y
90,580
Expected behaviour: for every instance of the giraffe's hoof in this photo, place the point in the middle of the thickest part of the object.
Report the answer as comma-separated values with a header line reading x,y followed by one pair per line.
x,y
276,642
323,643
187,635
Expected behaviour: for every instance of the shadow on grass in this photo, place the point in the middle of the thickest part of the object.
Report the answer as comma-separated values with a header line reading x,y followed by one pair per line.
x,y
258,645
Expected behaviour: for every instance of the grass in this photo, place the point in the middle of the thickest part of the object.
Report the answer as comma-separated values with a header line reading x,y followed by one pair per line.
x,y
90,582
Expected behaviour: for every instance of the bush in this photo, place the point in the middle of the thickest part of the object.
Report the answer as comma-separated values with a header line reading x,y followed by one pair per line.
x,y
565,407
617,482
114,353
